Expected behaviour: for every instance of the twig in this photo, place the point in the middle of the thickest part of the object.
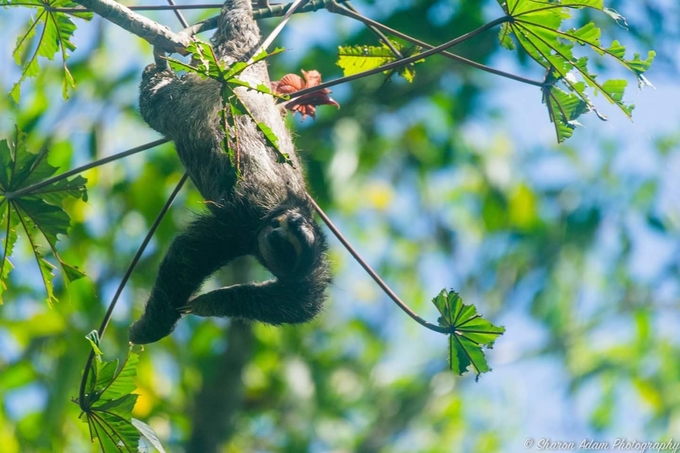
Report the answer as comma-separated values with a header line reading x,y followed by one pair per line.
x,y
295,5
261,13
353,14
369,270
179,15
82,9
405,61
121,286
161,36
75,171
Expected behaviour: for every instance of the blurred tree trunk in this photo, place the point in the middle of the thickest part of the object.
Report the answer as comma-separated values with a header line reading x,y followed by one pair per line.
x,y
220,397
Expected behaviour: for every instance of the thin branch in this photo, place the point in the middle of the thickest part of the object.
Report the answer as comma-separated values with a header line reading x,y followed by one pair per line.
x,y
369,270
405,61
295,5
121,286
75,171
277,10
179,15
377,32
262,13
156,34
172,7
352,13
161,36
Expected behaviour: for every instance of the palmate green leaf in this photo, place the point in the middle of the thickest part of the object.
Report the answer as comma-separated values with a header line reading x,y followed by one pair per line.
x,y
471,333
37,213
111,426
535,26
357,59
109,403
47,33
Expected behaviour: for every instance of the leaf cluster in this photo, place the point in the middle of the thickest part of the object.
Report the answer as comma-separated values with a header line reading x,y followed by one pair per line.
x,y
206,64
536,28
34,206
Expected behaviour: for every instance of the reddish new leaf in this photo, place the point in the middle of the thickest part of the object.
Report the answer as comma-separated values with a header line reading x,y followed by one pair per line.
x,y
306,104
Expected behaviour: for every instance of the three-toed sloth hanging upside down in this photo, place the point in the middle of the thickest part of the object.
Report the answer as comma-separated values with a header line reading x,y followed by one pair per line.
x,y
265,212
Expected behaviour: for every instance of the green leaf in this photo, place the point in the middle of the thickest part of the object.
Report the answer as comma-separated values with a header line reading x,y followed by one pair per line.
x,y
505,37
264,54
358,59
273,141
471,332
9,221
34,210
111,425
564,109
109,402
239,108
240,66
148,434
179,66
536,25
56,30
232,147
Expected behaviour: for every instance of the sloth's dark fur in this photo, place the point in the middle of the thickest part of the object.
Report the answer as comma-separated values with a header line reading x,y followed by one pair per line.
x,y
265,213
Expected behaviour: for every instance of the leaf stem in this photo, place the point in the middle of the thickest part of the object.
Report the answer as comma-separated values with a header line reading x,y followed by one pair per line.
x,y
96,163
381,283
405,61
107,317
353,14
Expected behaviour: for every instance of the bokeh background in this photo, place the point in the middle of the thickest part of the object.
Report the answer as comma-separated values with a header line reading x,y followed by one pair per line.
x,y
453,181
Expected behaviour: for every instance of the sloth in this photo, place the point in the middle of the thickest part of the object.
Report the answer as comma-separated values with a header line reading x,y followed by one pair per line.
x,y
264,212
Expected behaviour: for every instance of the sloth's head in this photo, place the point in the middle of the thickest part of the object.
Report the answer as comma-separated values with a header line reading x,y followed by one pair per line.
x,y
289,243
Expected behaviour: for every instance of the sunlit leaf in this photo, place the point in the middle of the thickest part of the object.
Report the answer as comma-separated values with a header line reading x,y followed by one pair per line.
x,y
47,33
357,59
471,333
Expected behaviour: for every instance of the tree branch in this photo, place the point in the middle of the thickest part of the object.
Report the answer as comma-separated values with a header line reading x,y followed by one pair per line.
x,y
161,36
158,35
221,395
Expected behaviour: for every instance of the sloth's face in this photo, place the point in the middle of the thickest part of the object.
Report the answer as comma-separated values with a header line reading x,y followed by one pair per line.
x,y
287,244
